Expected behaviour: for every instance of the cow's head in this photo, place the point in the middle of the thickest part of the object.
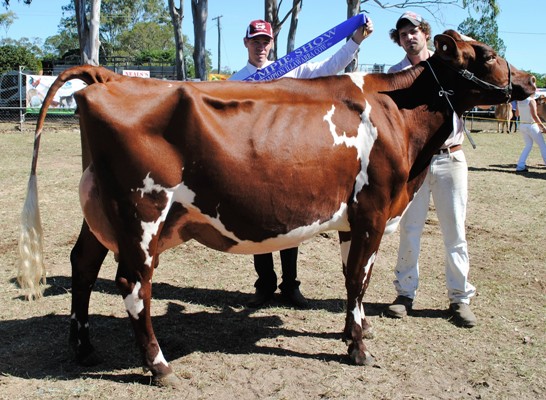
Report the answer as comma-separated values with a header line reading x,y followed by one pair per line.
x,y
486,77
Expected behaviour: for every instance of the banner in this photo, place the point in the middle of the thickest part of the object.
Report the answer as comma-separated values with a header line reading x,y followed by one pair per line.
x,y
138,73
63,102
309,50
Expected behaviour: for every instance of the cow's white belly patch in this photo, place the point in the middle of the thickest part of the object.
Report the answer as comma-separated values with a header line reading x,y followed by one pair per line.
x,y
338,222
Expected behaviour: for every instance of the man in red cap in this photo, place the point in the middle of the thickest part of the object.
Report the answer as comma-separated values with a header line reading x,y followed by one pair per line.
x,y
447,182
259,40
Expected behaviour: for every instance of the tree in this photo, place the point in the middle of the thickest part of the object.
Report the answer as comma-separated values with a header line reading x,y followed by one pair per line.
x,y
353,8
145,36
272,16
489,7
11,57
120,16
6,2
199,10
33,45
296,8
485,30
177,15
88,30
6,20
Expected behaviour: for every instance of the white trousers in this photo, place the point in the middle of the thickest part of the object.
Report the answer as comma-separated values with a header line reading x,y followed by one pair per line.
x,y
447,181
530,133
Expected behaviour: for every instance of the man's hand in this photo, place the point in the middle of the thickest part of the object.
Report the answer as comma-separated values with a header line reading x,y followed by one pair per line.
x,y
362,33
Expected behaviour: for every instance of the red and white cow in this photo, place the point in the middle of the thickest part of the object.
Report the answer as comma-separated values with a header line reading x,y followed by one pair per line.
x,y
255,167
503,115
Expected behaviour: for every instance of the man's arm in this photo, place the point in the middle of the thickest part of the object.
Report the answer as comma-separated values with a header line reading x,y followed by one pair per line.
x,y
336,62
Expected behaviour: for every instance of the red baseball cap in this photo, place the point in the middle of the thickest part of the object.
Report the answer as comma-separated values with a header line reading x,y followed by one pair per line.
x,y
259,27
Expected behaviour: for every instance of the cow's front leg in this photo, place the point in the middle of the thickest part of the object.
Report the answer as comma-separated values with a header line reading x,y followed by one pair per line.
x,y
136,290
358,263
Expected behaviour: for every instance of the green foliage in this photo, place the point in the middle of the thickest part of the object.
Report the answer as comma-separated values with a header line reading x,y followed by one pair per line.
x,y
33,45
153,57
6,20
146,37
140,29
487,8
11,57
485,30
58,45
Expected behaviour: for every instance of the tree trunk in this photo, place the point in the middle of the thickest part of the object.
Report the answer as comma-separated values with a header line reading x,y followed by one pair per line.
x,y
296,8
88,31
272,16
353,8
177,15
199,9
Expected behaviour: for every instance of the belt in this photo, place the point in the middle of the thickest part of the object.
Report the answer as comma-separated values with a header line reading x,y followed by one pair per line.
x,y
449,149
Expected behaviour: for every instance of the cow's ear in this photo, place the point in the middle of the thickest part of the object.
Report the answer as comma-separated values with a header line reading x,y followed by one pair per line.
x,y
447,49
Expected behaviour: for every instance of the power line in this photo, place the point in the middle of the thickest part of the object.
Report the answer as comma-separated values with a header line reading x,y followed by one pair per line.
x,y
524,33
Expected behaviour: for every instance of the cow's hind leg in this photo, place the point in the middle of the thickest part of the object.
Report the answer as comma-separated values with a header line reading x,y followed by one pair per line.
x,y
357,269
345,243
86,259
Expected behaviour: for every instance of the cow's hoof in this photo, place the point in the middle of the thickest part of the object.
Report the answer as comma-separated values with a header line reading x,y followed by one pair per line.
x,y
169,381
365,358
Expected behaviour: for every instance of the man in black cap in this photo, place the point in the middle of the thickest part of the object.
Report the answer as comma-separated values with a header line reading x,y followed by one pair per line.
x,y
447,182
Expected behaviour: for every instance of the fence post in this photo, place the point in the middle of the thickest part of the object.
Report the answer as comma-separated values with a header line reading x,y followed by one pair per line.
x,y
21,114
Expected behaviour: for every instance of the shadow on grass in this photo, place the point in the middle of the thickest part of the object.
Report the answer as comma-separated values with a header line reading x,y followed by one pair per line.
x,y
38,348
534,172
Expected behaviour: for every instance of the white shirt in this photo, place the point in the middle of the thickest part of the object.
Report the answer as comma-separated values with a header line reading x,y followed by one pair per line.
x,y
330,66
525,112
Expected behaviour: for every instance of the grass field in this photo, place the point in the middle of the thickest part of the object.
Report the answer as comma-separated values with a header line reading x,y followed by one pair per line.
x,y
223,350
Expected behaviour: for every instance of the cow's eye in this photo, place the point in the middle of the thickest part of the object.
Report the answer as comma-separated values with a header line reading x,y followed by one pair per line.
x,y
490,58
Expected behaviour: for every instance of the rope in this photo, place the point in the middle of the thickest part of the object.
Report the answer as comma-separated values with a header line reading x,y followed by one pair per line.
x,y
446,94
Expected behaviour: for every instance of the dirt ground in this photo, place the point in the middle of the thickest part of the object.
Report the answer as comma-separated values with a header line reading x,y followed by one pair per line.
x,y
223,350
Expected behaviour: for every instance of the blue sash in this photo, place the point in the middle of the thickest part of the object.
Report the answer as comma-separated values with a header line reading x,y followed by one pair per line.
x,y
309,50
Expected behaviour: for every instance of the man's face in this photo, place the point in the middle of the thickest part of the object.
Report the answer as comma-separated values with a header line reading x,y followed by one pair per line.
x,y
258,49
412,39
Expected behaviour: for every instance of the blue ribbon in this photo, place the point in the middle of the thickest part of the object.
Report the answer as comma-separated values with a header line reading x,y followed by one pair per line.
x,y
309,50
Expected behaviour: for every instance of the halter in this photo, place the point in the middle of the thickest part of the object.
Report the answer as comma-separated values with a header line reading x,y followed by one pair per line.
x,y
507,90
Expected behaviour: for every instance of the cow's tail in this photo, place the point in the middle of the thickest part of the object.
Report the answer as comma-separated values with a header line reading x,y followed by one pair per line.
x,y
31,274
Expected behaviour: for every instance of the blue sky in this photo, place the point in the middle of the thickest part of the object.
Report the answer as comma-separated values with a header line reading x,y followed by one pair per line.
x,y
521,26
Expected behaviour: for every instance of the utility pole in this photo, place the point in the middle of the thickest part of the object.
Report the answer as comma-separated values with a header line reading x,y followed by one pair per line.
x,y
218,25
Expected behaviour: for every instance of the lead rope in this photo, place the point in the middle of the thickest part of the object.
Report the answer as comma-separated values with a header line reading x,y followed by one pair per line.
x,y
446,94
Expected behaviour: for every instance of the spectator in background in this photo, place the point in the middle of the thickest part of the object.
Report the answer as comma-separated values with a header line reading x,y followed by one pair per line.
x,y
447,182
530,127
515,116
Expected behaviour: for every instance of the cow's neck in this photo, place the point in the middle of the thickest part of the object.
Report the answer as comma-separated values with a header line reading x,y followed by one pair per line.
x,y
422,101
